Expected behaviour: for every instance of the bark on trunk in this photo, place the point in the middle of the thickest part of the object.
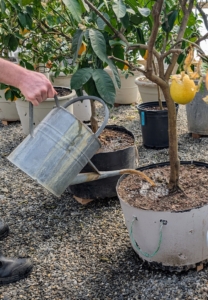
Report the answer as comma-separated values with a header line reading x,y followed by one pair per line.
x,y
173,141
93,119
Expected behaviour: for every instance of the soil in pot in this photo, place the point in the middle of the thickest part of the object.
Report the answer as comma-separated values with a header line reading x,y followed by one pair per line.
x,y
112,140
192,193
62,91
118,151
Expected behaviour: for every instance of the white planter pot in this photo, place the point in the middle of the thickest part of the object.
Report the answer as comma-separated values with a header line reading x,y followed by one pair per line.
x,y
8,110
82,110
128,93
148,90
40,111
173,240
61,80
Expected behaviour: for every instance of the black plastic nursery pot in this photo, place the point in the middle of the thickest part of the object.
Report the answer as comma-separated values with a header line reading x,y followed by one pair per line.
x,y
106,161
154,125
168,240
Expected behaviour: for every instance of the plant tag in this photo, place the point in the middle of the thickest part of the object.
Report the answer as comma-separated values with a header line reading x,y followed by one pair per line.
x,y
142,118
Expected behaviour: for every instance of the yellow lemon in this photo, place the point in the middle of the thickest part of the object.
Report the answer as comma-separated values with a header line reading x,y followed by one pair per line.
x,y
125,66
49,64
145,55
182,90
24,31
82,49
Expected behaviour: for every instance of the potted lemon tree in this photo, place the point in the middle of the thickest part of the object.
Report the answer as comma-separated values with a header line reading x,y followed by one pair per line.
x,y
163,220
40,35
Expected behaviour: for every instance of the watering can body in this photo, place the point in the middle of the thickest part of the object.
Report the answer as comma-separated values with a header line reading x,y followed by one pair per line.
x,y
58,148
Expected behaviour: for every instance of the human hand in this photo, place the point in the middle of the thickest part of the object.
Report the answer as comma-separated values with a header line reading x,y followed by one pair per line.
x,y
35,87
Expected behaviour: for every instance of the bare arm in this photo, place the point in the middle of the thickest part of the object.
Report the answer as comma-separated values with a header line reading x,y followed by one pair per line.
x,y
33,85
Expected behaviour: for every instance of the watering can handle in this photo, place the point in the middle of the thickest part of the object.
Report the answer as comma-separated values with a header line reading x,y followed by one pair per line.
x,y
97,133
105,121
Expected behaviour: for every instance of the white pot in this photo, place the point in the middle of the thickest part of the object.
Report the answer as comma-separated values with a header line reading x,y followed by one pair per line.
x,y
61,80
128,93
82,110
8,110
40,111
168,239
148,90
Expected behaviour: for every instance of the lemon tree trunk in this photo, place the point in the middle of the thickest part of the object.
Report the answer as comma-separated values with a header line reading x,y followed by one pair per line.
x,y
173,140
93,119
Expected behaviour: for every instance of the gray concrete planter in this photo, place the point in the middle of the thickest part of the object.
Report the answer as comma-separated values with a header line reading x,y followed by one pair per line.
x,y
170,240
197,114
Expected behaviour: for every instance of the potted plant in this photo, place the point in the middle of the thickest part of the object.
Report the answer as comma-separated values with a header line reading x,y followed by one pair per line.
x,y
39,34
8,110
169,233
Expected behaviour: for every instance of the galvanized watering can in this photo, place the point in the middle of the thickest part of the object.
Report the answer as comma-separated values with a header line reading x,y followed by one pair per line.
x,y
59,147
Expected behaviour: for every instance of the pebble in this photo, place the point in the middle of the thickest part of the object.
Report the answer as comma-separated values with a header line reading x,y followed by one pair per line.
x,y
84,252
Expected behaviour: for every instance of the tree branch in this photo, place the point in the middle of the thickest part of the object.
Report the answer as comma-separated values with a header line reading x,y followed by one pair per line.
x,y
132,68
181,31
156,11
204,16
116,32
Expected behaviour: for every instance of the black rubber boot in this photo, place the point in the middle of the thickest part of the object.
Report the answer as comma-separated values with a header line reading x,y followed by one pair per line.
x,y
13,269
4,230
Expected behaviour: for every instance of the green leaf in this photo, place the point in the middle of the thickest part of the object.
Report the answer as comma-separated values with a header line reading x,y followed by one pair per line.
x,y
13,43
100,23
75,9
118,52
168,24
145,12
133,4
3,86
22,19
114,43
85,6
8,94
98,44
140,40
29,21
3,6
79,92
119,9
104,85
106,4
90,88
29,66
26,2
76,43
125,21
80,77
116,77
29,10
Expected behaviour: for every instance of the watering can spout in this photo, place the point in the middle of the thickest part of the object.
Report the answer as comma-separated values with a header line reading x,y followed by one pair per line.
x,y
86,177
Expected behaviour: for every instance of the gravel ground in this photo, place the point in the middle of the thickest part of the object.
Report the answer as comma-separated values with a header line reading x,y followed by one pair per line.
x,y
84,252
